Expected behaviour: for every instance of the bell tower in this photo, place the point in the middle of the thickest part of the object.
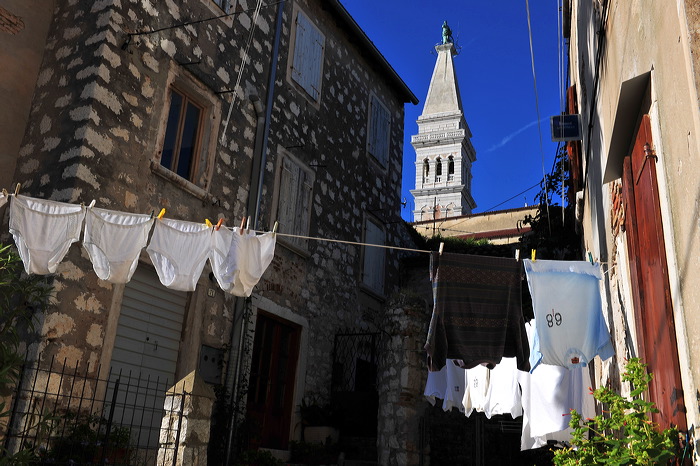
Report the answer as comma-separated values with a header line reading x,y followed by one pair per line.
x,y
444,152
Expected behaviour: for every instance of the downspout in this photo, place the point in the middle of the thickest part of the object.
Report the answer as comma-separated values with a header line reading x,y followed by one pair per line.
x,y
268,112
262,132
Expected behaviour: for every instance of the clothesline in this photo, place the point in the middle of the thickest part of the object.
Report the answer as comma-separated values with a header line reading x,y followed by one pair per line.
x,y
357,243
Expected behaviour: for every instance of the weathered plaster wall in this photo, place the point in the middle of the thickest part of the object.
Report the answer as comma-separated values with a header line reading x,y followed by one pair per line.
x,y
660,37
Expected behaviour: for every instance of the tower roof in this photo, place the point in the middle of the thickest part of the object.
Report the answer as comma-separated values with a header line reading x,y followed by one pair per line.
x,y
443,93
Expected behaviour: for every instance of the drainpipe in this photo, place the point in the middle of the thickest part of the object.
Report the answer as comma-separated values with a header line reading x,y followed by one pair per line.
x,y
262,133
268,112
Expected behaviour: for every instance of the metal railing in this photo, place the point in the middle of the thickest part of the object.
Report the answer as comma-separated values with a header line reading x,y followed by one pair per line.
x,y
65,415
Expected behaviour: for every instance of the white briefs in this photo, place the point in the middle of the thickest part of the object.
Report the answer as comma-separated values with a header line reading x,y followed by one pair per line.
x,y
43,231
179,250
114,240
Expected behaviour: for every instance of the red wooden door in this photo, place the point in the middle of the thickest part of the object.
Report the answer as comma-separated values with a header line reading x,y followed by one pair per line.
x,y
272,376
649,276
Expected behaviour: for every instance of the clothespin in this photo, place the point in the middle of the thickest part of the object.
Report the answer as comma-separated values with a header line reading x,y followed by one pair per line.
x,y
442,246
161,213
209,224
274,227
240,230
17,189
533,255
218,224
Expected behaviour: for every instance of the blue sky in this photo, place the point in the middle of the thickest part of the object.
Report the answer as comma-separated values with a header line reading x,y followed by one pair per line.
x,y
494,71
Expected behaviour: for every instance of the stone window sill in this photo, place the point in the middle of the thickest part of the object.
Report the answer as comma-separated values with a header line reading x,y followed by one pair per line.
x,y
188,186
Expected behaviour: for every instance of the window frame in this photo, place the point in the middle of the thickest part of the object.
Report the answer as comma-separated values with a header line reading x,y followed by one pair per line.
x,y
373,134
368,252
296,74
297,245
203,160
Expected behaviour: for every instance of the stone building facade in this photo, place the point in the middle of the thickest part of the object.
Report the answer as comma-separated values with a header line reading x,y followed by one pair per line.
x,y
634,72
287,115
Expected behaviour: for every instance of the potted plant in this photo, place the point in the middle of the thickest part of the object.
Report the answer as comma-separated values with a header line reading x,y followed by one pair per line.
x,y
318,421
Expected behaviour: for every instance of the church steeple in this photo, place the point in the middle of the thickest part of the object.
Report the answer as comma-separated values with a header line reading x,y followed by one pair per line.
x,y
444,152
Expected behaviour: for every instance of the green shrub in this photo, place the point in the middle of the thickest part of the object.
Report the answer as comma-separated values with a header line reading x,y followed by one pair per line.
x,y
624,433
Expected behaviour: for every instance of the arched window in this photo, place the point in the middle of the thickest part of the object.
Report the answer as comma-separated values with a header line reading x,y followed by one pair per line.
x,y
438,169
450,168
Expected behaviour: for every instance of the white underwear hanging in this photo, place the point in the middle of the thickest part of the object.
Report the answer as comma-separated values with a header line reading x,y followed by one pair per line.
x,y
114,240
179,251
249,257
43,231
220,247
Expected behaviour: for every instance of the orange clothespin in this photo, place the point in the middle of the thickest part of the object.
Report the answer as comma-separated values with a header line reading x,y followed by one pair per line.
x,y
240,230
161,213
209,224
533,255
442,246
218,224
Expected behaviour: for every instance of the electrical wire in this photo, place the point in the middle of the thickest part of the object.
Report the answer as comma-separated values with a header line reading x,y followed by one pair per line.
x,y
537,106
244,61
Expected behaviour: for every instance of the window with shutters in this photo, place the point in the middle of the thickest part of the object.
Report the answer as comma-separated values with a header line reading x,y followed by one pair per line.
x,y
294,186
186,143
379,131
307,60
373,257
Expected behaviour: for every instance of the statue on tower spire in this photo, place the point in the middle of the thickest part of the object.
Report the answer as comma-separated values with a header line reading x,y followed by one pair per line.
x,y
446,34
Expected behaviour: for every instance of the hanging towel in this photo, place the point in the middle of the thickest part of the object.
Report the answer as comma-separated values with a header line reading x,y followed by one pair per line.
x,y
477,315
566,301
503,395
114,241
179,251
43,231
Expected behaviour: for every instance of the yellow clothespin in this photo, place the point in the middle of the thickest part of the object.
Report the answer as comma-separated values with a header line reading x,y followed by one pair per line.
x,y
161,213
533,255
274,227
442,246
240,230
209,224
218,224
17,189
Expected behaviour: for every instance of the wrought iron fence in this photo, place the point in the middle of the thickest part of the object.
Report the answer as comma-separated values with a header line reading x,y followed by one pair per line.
x,y
65,415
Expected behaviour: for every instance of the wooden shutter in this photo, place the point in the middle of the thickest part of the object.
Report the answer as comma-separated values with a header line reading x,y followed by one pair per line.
x,y
294,211
308,56
373,267
649,279
379,131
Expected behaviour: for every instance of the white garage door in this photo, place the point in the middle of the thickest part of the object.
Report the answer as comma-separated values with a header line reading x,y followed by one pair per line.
x,y
145,352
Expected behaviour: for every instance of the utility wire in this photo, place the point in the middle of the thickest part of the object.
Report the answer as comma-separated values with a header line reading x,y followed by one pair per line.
x,y
537,106
244,61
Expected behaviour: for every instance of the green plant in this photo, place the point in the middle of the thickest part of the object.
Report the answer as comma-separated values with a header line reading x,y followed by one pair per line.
x,y
623,433
315,413
21,298
257,458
